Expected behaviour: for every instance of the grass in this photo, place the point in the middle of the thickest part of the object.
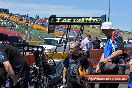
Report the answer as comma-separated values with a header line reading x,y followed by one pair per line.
x,y
97,32
89,30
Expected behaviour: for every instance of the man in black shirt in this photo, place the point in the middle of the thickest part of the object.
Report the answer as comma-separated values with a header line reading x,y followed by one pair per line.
x,y
3,75
14,65
71,64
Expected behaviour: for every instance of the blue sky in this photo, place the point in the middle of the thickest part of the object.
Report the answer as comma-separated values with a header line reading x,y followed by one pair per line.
x,y
121,13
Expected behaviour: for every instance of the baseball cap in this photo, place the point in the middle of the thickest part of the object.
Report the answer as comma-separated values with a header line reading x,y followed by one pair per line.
x,y
107,25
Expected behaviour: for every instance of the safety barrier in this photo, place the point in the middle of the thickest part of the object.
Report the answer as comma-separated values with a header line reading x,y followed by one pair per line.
x,y
32,42
95,55
58,55
128,49
30,59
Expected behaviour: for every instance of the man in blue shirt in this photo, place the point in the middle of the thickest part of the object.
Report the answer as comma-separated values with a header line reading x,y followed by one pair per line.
x,y
112,50
130,74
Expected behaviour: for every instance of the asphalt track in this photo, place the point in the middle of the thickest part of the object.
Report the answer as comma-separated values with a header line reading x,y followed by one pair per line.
x,y
120,86
96,85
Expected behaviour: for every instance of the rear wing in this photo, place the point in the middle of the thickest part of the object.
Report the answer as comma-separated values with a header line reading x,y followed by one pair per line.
x,y
29,48
53,20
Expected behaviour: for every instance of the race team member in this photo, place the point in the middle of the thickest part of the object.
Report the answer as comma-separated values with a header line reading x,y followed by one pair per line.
x,y
71,64
14,64
112,51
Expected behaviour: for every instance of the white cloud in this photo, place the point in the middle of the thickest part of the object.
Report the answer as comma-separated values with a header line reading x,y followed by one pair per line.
x,y
48,9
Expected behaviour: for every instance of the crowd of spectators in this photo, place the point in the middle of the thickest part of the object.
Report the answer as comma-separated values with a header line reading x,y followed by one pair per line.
x,y
25,20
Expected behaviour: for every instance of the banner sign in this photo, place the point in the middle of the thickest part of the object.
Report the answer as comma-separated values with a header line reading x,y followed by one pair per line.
x,y
107,78
53,20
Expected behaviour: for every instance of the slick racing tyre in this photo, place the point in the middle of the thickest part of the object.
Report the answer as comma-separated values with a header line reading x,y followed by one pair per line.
x,y
81,80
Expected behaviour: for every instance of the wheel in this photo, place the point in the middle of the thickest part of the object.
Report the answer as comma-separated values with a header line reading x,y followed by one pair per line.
x,y
81,80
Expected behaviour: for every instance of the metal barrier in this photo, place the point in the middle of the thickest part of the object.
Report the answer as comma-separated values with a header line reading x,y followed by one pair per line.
x,y
95,55
128,49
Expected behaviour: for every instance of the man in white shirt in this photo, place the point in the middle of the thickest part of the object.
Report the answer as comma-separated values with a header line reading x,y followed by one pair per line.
x,y
86,45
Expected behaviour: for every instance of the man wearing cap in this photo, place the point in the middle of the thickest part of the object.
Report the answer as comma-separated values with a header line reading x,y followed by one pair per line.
x,y
112,51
